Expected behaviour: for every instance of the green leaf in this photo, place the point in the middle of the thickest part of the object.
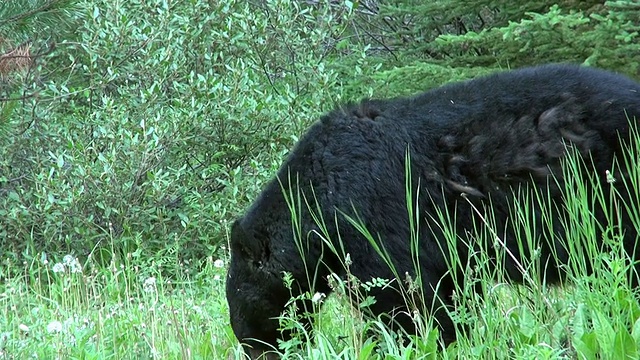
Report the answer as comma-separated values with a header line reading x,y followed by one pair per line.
x,y
366,350
580,320
14,196
624,347
602,326
587,346
635,332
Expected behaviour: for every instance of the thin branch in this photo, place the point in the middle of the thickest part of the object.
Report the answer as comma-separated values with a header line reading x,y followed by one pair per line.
x,y
24,97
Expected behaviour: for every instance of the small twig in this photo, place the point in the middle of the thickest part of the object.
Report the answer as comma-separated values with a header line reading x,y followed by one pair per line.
x,y
16,179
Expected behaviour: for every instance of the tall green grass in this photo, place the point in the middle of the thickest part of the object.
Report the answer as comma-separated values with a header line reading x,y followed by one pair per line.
x,y
62,309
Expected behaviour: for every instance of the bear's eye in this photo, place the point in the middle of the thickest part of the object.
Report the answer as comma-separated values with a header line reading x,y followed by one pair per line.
x,y
244,252
247,255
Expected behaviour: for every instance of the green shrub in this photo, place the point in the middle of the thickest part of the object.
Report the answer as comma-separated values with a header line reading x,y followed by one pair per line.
x,y
156,122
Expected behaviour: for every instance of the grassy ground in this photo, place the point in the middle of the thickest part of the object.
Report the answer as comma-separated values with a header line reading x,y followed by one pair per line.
x,y
60,309
56,309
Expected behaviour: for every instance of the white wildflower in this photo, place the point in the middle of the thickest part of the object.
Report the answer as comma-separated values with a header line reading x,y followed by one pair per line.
x,y
318,297
218,263
216,277
610,178
24,328
54,327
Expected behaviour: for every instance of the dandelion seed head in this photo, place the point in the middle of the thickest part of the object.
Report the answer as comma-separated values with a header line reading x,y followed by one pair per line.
x,y
54,327
218,263
58,268
68,259
72,263
149,284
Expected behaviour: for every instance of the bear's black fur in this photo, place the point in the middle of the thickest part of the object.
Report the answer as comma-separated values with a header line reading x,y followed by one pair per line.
x,y
483,138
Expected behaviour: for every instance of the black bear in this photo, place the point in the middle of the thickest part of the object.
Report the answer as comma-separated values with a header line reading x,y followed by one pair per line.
x,y
468,143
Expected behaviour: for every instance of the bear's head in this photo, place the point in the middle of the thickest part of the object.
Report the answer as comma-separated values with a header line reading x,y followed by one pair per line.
x,y
255,290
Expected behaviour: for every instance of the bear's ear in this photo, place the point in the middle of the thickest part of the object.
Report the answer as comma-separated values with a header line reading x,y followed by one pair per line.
x,y
247,245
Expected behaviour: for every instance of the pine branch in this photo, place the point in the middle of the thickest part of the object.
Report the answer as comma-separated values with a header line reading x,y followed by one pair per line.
x,y
49,5
34,16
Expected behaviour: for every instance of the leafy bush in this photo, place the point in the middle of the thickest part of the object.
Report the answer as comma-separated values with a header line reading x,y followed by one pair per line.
x,y
156,121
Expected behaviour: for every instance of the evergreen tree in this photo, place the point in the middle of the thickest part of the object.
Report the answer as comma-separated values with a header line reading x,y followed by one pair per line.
x,y
438,41
604,36
28,31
